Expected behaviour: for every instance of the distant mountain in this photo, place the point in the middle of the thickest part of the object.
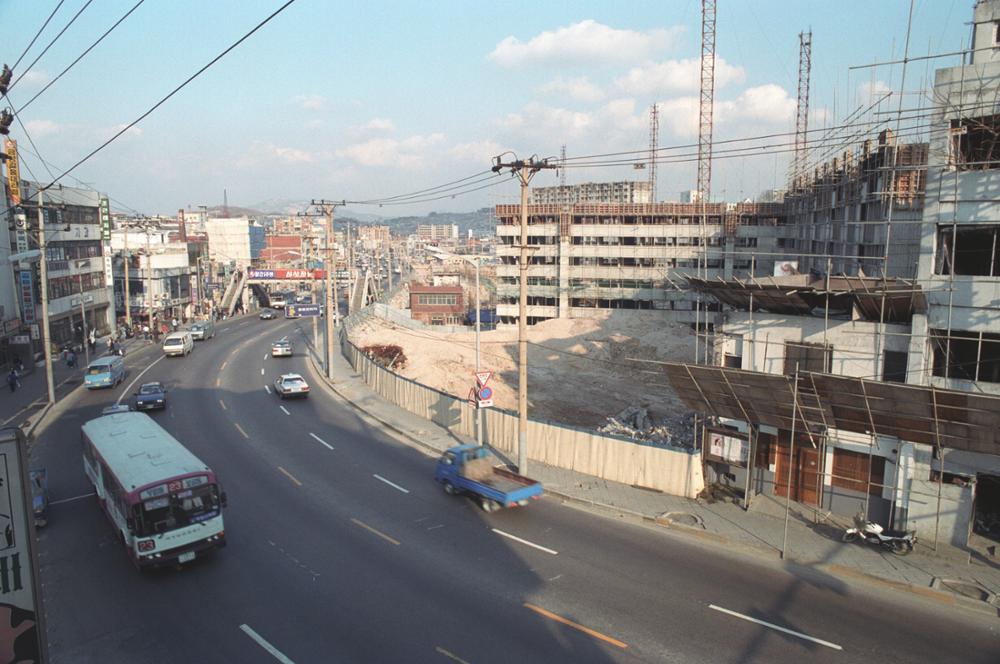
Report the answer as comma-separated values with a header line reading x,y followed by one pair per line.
x,y
480,221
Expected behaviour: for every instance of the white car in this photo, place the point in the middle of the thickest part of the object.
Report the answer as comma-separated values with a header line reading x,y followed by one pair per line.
x,y
291,385
281,349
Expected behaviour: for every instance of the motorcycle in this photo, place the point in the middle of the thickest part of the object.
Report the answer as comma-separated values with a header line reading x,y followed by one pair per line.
x,y
899,542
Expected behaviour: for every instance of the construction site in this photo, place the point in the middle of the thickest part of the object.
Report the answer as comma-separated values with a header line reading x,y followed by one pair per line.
x,y
838,347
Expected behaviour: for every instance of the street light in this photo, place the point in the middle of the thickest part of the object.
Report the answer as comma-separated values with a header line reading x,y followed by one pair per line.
x,y
477,263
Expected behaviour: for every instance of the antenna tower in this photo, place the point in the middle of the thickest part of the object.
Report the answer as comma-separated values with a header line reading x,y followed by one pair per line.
x,y
654,136
802,108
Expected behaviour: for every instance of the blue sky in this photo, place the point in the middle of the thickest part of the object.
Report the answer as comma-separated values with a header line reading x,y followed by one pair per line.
x,y
369,100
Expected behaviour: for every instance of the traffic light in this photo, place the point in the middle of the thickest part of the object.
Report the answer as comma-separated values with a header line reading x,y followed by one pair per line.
x,y
5,79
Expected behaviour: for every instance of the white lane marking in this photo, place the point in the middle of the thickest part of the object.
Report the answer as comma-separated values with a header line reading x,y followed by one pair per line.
x,y
284,410
69,500
262,642
525,542
136,380
392,484
328,445
262,371
450,655
267,389
267,356
780,629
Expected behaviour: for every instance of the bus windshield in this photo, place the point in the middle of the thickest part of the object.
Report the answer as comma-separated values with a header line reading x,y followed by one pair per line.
x,y
177,510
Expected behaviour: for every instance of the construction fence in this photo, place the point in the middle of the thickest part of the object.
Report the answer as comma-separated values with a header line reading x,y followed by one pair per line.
x,y
674,471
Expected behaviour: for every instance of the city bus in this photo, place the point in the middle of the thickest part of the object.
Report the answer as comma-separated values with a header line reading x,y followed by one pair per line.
x,y
164,502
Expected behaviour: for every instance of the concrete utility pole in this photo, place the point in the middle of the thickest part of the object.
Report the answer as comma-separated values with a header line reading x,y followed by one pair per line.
x,y
43,272
128,302
309,248
331,295
149,280
524,170
83,317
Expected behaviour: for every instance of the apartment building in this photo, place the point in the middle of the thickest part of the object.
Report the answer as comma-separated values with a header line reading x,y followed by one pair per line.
x,y
373,237
437,232
229,241
843,215
79,269
625,192
586,258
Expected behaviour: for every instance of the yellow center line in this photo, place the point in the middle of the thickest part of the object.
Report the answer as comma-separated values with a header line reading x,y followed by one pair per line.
x,y
223,367
240,429
289,476
372,530
222,404
586,630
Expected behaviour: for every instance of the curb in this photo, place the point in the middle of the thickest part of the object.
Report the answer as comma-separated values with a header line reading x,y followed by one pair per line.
x,y
940,596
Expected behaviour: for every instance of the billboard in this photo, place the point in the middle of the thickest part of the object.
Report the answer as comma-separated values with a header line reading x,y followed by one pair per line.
x,y
289,274
13,171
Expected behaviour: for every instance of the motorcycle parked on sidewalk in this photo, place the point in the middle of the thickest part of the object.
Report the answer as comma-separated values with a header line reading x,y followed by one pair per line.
x,y
899,542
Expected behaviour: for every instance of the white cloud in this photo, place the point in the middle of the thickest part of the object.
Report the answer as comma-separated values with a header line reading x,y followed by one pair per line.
x,y
579,89
767,103
261,154
680,116
676,76
131,131
477,151
39,128
406,153
870,92
585,41
311,102
292,155
33,77
373,126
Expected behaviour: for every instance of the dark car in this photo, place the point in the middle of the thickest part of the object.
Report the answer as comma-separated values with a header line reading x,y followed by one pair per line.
x,y
268,314
151,396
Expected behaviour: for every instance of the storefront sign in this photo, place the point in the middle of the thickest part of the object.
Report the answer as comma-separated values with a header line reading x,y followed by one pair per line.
x,y
27,297
105,219
286,274
13,171
729,449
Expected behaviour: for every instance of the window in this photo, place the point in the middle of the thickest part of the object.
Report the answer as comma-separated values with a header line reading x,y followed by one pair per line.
x,y
966,355
975,145
807,357
894,366
971,250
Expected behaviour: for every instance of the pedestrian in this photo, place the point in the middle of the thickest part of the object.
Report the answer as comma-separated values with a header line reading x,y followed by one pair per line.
x,y
174,324
111,343
18,366
71,359
12,381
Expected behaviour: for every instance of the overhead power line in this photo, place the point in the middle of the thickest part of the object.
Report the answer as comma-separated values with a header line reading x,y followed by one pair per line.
x,y
54,40
37,35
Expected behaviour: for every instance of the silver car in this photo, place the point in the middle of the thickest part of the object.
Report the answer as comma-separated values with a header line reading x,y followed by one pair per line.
x,y
281,349
291,385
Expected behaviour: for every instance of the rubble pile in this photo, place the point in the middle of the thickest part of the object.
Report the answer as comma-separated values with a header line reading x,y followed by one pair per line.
x,y
389,356
635,422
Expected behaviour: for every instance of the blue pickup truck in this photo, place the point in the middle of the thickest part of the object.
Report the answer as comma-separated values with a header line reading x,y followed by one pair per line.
x,y
472,469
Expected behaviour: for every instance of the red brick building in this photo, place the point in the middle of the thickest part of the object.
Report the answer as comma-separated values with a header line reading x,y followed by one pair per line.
x,y
437,305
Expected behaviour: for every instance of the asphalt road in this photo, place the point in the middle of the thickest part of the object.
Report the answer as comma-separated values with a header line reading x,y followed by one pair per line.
x,y
343,549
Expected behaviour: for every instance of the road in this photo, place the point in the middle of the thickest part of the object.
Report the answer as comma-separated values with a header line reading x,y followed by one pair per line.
x,y
343,549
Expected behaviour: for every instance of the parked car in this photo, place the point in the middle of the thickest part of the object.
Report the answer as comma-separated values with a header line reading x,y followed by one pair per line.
x,y
268,314
40,495
291,385
117,408
151,396
282,348
202,329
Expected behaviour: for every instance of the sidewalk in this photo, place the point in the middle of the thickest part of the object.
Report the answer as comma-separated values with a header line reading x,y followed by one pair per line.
x,y
945,575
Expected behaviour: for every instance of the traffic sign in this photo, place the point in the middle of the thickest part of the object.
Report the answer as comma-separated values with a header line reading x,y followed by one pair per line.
x,y
296,310
485,393
486,403
483,377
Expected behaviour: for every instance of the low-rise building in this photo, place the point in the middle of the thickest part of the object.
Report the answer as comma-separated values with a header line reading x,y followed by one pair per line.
x,y
437,305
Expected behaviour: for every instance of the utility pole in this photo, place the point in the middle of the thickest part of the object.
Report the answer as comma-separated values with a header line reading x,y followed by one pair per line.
x,y
350,272
328,208
309,237
524,170
83,317
43,272
149,281
128,263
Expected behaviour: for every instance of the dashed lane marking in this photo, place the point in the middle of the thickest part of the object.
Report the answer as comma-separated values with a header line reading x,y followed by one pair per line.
x,y
240,429
449,655
267,389
284,410
376,532
776,627
70,500
321,441
223,367
525,542
290,476
392,484
222,404
262,371
586,630
262,642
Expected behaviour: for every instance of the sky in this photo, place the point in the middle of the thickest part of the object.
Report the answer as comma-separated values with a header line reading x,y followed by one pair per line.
x,y
370,100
